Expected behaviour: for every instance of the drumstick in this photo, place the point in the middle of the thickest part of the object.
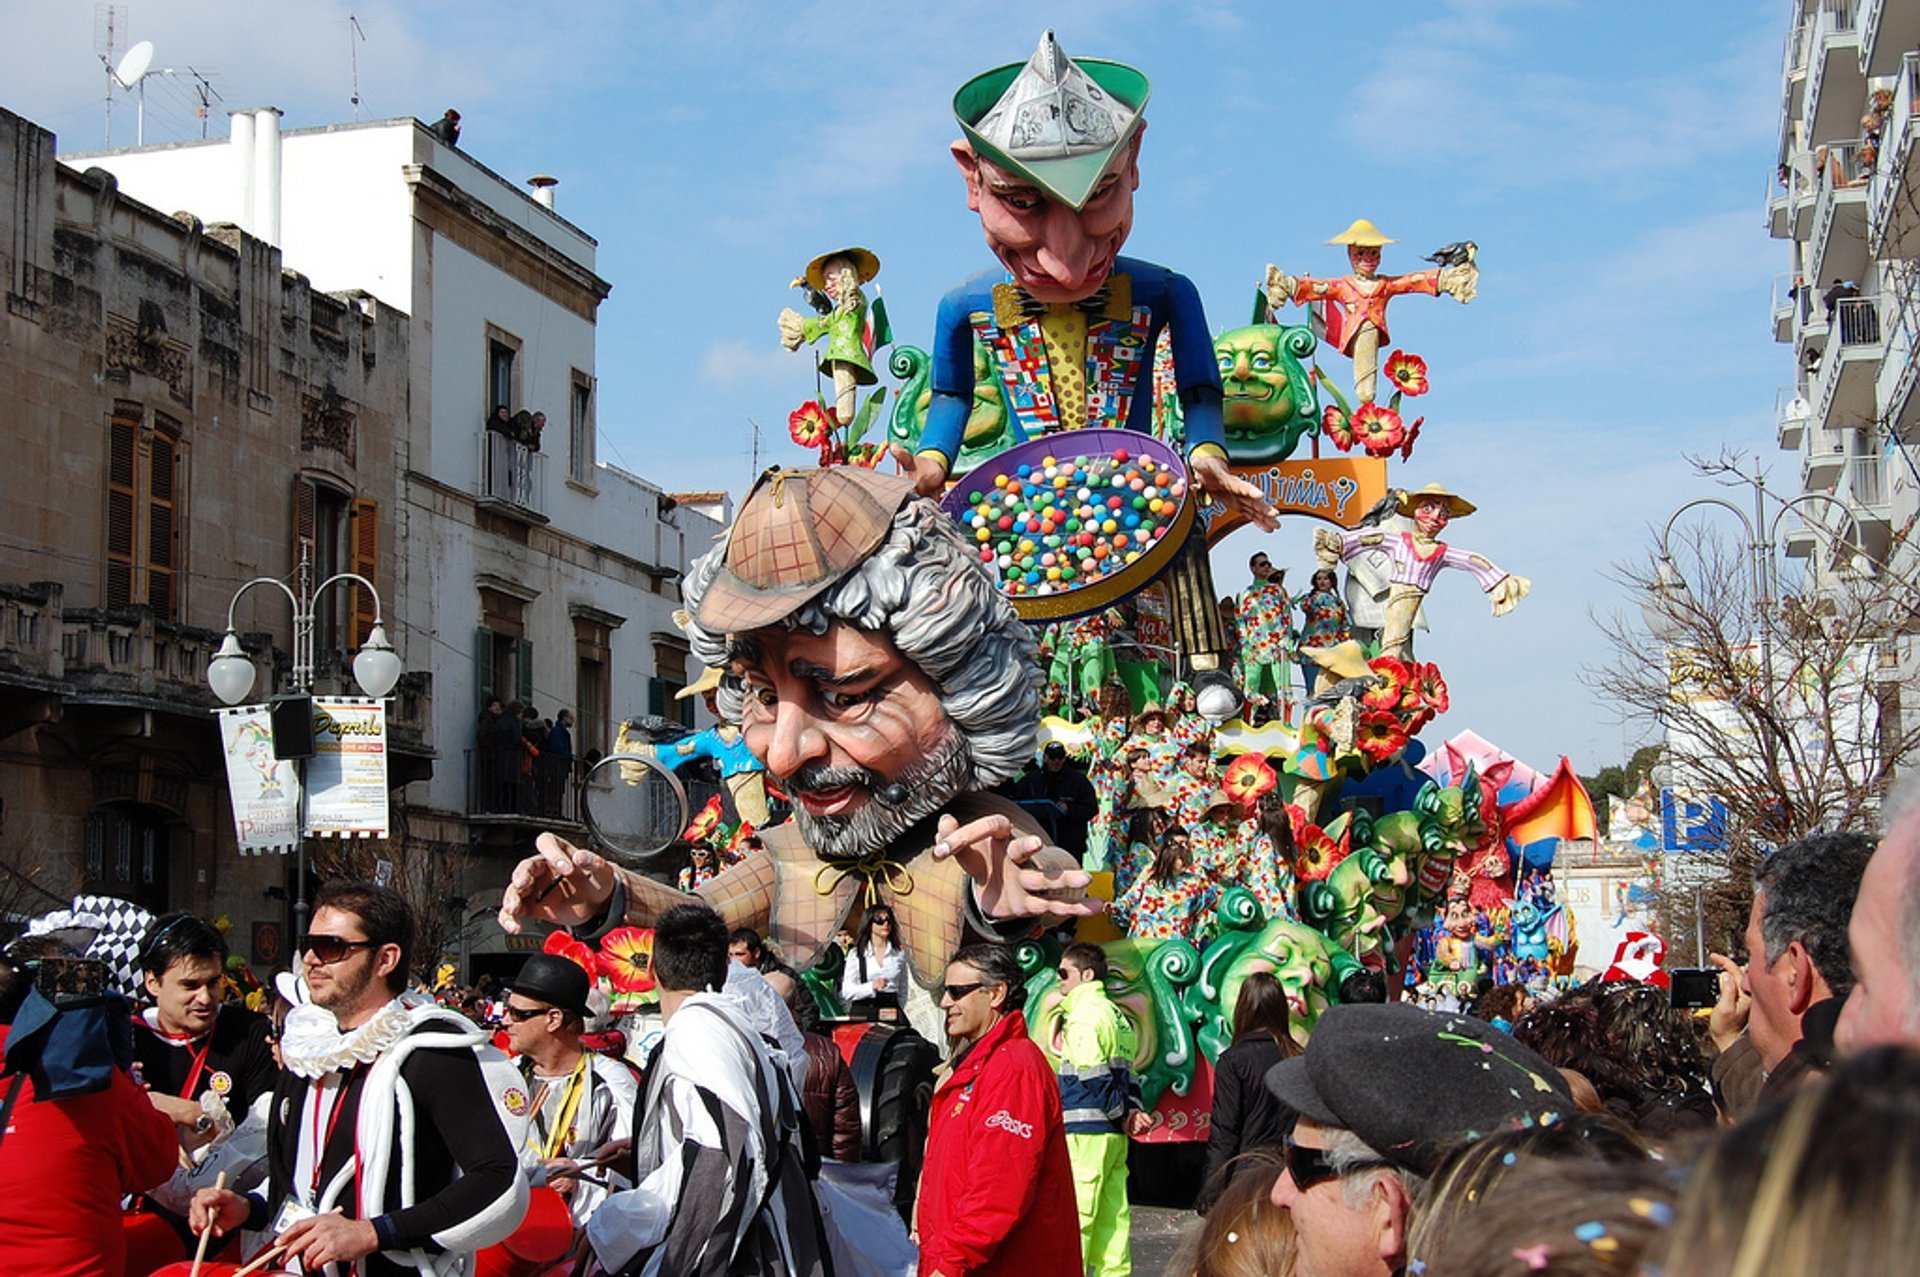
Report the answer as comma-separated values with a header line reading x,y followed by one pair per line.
x,y
260,1260
200,1251
278,1248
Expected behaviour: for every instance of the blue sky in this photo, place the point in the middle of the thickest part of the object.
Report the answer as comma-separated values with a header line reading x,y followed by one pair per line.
x,y
1610,158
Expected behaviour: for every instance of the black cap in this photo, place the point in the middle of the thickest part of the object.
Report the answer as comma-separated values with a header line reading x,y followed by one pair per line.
x,y
1415,1084
554,980
1055,749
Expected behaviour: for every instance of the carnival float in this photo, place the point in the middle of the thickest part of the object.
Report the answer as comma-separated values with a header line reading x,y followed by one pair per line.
x,y
1093,439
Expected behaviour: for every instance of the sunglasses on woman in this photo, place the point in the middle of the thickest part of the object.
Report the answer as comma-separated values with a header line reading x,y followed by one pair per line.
x,y
328,950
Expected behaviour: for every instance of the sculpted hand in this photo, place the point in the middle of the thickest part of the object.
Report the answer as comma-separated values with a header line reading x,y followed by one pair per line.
x,y
332,1238
1509,591
1327,547
996,859
1280,286
792,328
1729,1017
1218,478
561,883
928,472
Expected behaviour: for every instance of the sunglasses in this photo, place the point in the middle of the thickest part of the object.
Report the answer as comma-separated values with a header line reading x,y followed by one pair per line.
x,y
331,949
520,1015
954,992
1311,1166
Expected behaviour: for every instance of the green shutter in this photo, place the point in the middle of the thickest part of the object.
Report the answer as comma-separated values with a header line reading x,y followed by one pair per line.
x,y
482,669
523,671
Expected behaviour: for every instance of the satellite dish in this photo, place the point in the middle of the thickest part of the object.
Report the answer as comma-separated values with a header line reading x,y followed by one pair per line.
x,y
135,64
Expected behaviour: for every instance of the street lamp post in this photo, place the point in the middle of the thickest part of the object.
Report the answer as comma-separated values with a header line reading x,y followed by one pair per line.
x,y
376,668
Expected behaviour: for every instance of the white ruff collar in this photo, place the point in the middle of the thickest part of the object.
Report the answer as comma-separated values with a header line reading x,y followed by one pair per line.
x,y
313,1046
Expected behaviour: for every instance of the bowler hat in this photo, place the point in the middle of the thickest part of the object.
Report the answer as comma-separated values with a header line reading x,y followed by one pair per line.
x,y
1415,1084
554,980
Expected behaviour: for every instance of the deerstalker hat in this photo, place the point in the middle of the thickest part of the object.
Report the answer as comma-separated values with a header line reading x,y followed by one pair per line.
x,y
797,534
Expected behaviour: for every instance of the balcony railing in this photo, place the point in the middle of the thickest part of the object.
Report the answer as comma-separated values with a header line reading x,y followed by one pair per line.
x,y
1840,15
1799,41
512,472
1856,322
1791,412
1867,481
1896,138
534,789
1837,22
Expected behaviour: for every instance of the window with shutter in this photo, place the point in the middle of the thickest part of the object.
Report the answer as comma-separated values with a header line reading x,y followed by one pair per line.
x,y
304,501
163,523
146,493
123,447
365,536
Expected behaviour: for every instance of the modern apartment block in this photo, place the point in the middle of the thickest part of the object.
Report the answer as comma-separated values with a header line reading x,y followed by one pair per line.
x,y
1845,197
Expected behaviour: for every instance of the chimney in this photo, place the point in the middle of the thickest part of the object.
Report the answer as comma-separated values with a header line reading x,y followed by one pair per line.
x,y
266,175
242,143
543,189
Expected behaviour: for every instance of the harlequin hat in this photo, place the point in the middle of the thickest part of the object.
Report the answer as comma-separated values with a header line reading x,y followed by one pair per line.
x,y
863,261
1414,1084
1345,659
1457,506
1362,234
1055,121
797,534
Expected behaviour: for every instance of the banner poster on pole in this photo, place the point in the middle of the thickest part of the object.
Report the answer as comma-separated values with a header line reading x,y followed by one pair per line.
x,y
265,790
347,776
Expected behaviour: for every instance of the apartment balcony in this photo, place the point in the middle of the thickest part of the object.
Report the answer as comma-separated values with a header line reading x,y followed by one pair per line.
x,y
1843,385
1893,198
1823,460
1837,240
1800,539
1866,489
1791,412
513,477
1836,87
1793,71
1898,405
1787,298
1888,28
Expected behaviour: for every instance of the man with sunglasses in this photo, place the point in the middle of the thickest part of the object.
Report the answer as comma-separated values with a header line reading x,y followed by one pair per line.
x,y
996,1191
385,1151
582,1100
1386,1092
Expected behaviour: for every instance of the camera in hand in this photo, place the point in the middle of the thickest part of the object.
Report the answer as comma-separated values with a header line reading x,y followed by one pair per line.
x,y
1694,987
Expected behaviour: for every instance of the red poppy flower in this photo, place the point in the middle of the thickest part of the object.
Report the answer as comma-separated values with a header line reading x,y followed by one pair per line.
x,y
1247,777
1378,429
808,424
573,951
1317,854
1394,677
704,823
1338,427
1380,735
626,956
1432,687
1407,372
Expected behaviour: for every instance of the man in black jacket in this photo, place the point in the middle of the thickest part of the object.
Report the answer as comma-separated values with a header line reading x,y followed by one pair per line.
x,y
354,1174
1066,793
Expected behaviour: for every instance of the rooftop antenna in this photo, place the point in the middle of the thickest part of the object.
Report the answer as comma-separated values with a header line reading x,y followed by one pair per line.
x,y
106,22
754,473
353,58
131,72
208,95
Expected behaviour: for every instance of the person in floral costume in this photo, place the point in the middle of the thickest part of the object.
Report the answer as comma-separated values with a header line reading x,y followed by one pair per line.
x,y
1323,621
1171,901
1268,642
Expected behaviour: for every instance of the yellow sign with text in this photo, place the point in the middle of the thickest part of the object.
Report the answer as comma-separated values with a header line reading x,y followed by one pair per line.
x,y
1338,490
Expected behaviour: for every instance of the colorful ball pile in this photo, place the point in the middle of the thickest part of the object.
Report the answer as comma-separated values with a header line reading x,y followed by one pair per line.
x,y
1063,524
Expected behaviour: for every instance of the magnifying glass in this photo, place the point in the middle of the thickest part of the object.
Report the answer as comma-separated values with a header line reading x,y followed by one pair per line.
x,y
635,807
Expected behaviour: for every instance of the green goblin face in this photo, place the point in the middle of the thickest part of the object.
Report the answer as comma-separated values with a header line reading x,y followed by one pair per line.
x,y
1268,401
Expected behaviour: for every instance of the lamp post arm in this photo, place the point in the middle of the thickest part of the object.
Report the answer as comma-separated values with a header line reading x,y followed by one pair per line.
x,y
274,581
1667,529
353,577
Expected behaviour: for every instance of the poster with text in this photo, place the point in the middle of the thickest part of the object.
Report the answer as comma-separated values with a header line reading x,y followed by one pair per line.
x,y
347,777
265,790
